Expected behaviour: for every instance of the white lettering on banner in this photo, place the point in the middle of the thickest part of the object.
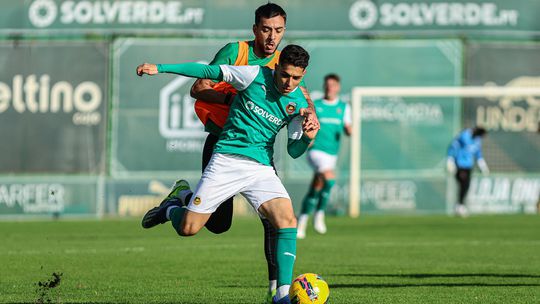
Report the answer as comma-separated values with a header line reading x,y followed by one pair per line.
x,y
33,198
396,109
184,145
388,195
39,97
503,194
43,13
364,14
513,113
330,121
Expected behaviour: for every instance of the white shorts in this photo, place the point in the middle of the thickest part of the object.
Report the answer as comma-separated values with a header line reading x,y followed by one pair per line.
x,y
229,174
321,161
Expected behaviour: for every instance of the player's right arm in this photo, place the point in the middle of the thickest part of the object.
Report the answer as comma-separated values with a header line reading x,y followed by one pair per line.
x,y
240,77
191,69
202,89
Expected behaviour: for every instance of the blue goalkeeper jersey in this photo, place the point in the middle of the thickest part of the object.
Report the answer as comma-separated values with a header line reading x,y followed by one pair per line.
x,y
466,149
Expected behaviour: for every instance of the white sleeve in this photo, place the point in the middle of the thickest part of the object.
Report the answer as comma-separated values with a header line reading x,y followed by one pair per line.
x,y
347,118
295,128
240,77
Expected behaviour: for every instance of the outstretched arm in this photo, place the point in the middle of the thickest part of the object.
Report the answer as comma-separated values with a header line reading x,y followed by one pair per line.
x,y
240,77
190,69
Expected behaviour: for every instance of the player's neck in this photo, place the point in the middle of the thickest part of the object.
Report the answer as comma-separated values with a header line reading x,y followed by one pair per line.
x,y
327,99
260,53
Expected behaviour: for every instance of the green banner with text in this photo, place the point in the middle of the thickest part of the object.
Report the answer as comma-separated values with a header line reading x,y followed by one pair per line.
x,y
372,17
53,107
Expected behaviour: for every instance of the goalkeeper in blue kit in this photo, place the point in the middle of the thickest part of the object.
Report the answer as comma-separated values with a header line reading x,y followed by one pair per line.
x,y
464,152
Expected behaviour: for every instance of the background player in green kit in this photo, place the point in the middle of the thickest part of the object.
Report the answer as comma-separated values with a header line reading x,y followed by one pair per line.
x,y
242,159
335,118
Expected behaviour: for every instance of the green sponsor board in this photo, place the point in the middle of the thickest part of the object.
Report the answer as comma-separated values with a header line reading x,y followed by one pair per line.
x,y
513,143
410,195
155,128
53,107
463,17
403,195
51,195
503,193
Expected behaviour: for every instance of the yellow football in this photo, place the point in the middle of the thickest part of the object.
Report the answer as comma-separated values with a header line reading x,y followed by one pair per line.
x,y
309,288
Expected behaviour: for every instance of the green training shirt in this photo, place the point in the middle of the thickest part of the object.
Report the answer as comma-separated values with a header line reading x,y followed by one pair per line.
x,y
228,54
257,113
333,116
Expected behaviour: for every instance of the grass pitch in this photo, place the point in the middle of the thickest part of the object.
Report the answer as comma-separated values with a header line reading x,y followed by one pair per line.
x,y
373,259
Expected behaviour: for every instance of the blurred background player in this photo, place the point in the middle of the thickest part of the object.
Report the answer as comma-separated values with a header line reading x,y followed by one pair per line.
x,y
335,118
464,150
243,157
213,104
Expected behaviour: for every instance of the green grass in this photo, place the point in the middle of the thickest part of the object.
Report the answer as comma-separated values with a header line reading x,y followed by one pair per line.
x,y
374,259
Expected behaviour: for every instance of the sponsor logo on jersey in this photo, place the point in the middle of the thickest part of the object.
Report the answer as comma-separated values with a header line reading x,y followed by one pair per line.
x,y
250,105
291,107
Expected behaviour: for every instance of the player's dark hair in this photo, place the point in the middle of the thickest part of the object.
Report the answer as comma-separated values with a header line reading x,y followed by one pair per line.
x,y
294,55
479,131
333,77
269,10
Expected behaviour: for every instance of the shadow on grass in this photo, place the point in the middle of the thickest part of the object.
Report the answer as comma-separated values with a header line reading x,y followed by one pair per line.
x,y
393,285
422,276
437,275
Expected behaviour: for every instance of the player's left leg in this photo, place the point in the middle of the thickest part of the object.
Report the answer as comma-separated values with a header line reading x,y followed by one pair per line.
x,y
279,212
464,179
329,178
270,240
269,197
175,199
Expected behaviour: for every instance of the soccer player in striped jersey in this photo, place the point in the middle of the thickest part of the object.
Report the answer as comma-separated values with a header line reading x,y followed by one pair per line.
x,y
335,119
267,100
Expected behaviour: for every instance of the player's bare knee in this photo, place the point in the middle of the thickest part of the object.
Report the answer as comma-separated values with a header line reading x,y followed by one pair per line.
x,y
286,222
188,230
